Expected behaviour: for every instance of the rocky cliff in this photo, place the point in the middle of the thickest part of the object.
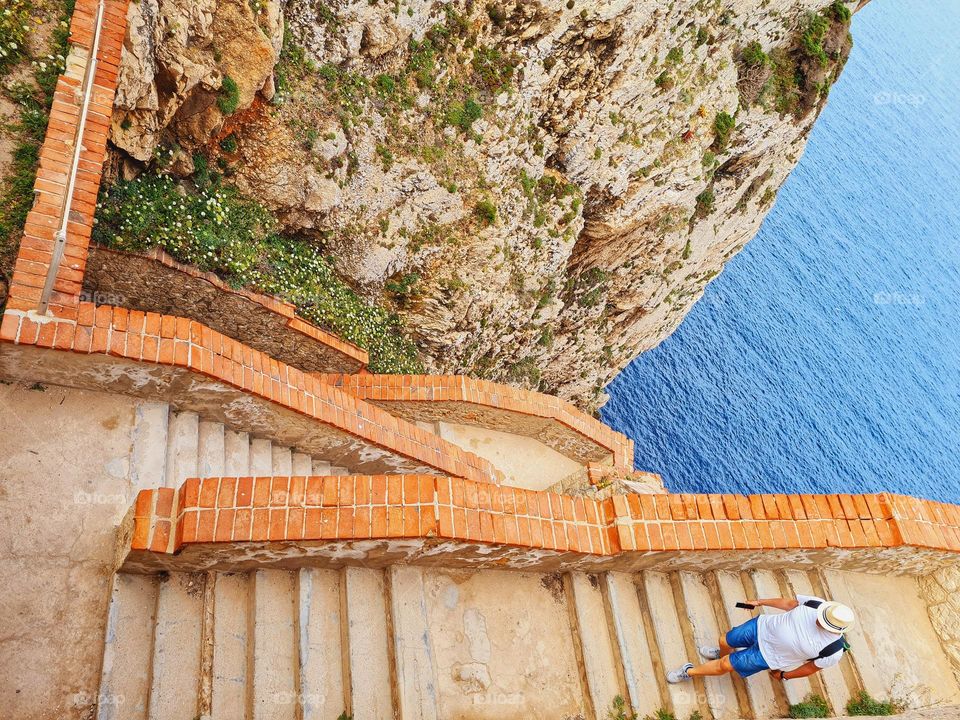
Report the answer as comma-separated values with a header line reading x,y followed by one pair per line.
x,y
540,188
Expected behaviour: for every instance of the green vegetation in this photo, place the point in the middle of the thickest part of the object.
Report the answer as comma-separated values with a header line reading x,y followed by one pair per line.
x,y
664,81
754,56
31,101
811,40
705,203
812,706
486,211
493,69
675,56
723,125
16,24
229,96
618,711
215,228
462,115
229,143
863,704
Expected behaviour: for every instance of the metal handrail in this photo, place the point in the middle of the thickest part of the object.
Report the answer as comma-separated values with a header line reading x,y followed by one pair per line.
x,y
60,238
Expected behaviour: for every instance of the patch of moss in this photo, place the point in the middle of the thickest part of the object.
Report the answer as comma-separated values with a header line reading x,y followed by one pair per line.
x,y
863,704
812,706
228,99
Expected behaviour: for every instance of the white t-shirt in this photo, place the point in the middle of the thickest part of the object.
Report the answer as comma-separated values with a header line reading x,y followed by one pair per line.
x,y
788,640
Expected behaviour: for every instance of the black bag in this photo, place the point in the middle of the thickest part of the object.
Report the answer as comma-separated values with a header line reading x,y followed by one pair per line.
x,y
836,646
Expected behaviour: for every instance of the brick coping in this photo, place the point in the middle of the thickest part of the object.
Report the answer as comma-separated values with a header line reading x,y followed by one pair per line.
x,y
393,391
233,511
182,279
190,346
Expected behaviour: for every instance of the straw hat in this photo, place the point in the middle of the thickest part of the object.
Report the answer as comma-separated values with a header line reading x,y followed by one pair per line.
x,y
835,617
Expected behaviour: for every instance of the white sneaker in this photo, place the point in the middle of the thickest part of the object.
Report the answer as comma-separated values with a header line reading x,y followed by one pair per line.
x,y
681,675
709,653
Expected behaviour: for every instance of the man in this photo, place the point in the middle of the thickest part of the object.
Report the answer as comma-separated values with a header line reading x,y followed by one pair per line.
x,y
801,641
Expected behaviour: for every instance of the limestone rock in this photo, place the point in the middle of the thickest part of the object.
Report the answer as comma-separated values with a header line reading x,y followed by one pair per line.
x,y
547,171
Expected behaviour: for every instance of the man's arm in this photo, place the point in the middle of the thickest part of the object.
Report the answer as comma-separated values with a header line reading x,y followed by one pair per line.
x,y
808,668
785,604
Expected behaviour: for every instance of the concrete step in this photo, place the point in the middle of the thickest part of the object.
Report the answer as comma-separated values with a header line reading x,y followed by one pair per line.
x,y
642,670
261,457
704,629
597,645
321,643
148,454
275,653
183,441
176,647
661,603
282,460
211,449
302,464
368,644
231,642
236,453
125,676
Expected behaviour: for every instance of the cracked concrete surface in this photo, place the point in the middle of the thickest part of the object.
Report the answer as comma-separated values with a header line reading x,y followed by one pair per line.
x,y
64,486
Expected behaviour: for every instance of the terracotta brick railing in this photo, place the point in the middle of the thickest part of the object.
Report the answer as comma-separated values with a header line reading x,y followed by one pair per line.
x,y
113,334
458,399
37,246
234,511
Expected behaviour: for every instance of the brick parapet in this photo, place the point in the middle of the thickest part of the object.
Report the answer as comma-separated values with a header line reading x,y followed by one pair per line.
x,y
461,398
154,281
190,346
234,511
37,244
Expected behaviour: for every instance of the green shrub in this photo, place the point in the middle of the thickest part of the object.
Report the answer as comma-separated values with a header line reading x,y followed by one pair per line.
x,y
840,11
229,96
754,56
217,229
812,38
723,125
705,203
493,69
863,704
813,706
463,115
486,211
386,84
229,143
675,56
664,81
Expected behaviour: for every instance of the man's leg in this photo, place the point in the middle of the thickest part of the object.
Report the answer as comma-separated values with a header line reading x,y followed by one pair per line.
x,y
712,668
722,649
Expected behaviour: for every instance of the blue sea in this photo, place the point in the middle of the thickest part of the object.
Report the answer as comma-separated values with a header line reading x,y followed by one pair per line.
x,y
826,356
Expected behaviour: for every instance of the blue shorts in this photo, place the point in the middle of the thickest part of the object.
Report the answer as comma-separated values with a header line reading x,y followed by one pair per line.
x,y
747,660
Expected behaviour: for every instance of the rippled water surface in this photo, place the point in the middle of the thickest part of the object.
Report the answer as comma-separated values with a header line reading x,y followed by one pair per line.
x,y
826,357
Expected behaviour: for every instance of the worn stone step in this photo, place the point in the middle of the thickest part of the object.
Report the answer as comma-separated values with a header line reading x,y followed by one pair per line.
x,y
767,585
231,646
282,460
127,656
642,676
663,610
763,701
183,440
176,647
236,453
368,644
320,643
148,452
321,467
830,684
337,470
705,631
275,654
302,464
597,641
414,657
261,457
211,450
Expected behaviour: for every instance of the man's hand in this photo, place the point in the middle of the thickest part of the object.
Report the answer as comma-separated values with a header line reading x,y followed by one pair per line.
x,y
777,675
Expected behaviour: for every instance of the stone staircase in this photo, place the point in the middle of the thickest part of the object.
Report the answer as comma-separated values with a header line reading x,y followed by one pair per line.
x,y
173,446
411,642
